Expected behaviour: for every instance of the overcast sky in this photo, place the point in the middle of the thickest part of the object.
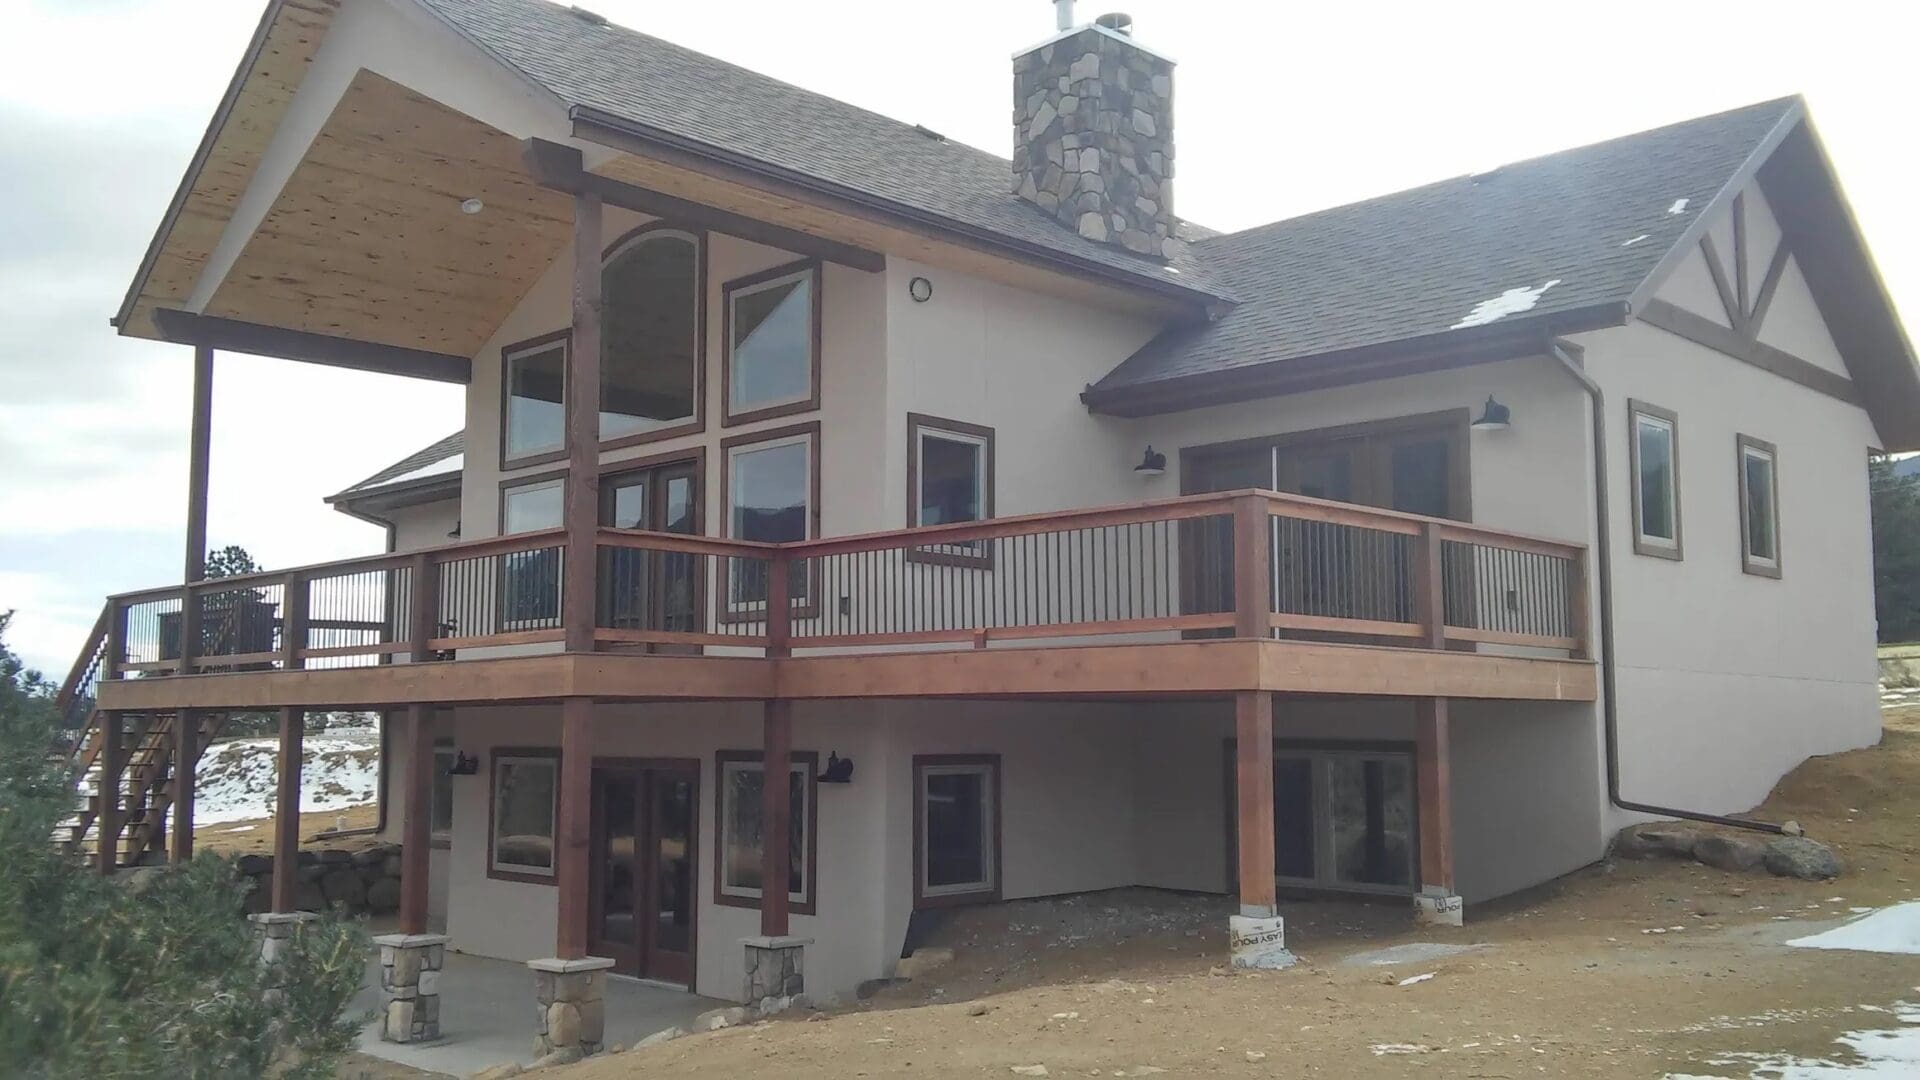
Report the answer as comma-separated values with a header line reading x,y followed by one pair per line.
x,y
1281,108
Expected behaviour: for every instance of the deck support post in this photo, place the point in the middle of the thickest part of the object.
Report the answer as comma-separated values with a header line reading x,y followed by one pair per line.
x,y
582,512
110,816
199,447
186,759
286,812
776,746
1437,904
1257,936
410,960
570,987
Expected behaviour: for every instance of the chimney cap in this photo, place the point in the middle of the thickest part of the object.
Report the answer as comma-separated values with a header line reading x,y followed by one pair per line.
x,y
1118,21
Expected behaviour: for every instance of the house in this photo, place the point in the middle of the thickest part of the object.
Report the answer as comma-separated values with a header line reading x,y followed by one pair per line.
x,y
1054,543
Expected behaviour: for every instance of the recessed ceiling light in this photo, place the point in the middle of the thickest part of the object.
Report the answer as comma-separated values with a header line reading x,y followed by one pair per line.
x,y
471,206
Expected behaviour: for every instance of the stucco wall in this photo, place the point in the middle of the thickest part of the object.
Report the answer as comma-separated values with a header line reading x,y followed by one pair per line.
x,y
426,525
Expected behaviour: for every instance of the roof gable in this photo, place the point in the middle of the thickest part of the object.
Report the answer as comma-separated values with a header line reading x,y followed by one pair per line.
x,y
436,465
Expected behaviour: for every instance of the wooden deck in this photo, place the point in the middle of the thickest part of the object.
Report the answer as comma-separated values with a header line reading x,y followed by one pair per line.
x,y
1212,594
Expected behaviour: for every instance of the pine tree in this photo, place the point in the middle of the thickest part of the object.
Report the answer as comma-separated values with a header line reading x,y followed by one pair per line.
x,y
1896,551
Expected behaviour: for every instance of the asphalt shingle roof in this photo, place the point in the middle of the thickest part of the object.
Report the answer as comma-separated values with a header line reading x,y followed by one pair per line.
x,y
1594,220
441,450
634,76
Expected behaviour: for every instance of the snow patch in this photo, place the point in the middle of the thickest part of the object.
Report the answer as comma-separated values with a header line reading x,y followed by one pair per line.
x,y
1877,1055
438,468
1395,1049
1679,207
1635,240
1511,302
236,778
1411,979
1889,930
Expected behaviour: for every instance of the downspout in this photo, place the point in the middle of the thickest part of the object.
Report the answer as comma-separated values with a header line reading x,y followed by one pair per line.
x,y
1603,558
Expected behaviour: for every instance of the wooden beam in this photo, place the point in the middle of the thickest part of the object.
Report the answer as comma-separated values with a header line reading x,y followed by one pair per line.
x,y
1252,568
416,837
1434,764
776,750
186,761
1755,353
110,817
424,608
1429,588
234,335
1728,302
562,168
199,448
572,828
578,590
1253,785
286,811
1768,285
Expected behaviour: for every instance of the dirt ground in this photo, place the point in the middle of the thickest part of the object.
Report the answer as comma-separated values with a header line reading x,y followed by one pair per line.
x,y
1627,969
256,836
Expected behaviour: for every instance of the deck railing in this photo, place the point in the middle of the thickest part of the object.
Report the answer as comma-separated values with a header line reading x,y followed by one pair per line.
x,y
1241,564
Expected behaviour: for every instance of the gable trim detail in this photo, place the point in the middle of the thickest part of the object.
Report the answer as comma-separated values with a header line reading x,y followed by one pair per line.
x,y
1741,345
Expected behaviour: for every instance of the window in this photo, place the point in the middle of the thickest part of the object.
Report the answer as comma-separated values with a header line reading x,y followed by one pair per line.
x,y
650,335
1759,507
949,481
534,414
530,580
526,789
737,870
1654,448
441,822
773,343
772,494
956,828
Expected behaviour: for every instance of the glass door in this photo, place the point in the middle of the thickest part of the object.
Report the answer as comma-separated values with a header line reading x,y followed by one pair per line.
x,y
643,872
652,590
1344,819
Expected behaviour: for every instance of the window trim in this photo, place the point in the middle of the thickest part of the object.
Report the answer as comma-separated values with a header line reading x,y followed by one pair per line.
x,y
438,838
697,423
807,760
810,433
505,624
946,897
812,268
495,757
1657,547
508,353
1749,562
980,554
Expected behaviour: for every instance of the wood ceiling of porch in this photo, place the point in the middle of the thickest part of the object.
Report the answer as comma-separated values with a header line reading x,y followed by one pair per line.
x,y
367,239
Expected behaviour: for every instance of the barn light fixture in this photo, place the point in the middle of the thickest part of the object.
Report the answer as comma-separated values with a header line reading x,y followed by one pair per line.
x,y
1494,417
463,764
1152,463
838,770
471,206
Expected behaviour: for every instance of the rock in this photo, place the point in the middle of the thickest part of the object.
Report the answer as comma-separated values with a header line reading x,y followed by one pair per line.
x,y
659,1037
499,1072
1030,1070
923,960
715,1019
1799,857
978,1008
383,896
307,858
391,867
255,865
140,879
334,857
1736,853
375,855
308,897
343,886
1256,1055
566,1055
871,987
1655,840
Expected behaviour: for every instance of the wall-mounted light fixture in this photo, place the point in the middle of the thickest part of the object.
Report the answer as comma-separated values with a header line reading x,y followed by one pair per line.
x,y
838,770
454,533
1493,417
920,289
1152,463
463,764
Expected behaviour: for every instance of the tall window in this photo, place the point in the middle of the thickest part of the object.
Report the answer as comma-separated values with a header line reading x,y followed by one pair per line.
x,y
1655,453
957,826
739,829
526,789
770,485
534,416
1344,818
773,343
949,481
650,334
1759,507
530,580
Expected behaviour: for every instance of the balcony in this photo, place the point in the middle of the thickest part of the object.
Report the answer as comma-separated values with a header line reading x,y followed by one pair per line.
x,y
1208,593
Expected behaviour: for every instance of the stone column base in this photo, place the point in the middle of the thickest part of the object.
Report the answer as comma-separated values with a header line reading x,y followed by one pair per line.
x,y
776,971
1258,942
410,986
572,1012
1437,909
273,932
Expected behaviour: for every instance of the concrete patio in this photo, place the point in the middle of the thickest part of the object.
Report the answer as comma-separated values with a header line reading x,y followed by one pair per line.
x,y
487,1015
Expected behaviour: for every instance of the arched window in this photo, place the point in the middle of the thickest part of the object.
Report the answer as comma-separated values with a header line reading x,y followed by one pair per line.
x,y
650,333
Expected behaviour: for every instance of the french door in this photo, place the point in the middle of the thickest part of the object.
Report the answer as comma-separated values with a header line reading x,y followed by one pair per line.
x,y
643,867
652,590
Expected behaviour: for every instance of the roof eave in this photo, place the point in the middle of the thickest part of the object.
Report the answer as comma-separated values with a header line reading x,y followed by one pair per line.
x,y
407,494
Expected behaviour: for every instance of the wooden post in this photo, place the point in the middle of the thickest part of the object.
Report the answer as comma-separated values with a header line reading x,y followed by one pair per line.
x,y
286,811
1253,782
776,749
423,605
1579,614
583,431
186,757
109,817
293,621
1433,762
416,836
200,441
571,831
1429,588
1252,568
190,635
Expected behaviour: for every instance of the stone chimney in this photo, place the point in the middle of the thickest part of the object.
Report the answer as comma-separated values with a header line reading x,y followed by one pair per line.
x,y
1093,135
